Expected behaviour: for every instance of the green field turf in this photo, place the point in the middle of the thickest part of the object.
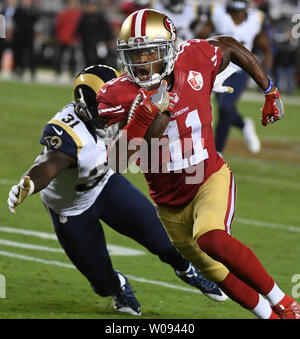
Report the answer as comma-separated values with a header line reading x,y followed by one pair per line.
x,y
267,220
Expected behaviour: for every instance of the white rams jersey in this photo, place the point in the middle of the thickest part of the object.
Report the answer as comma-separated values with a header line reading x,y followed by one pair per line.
x,y
75,189
245,32
182,21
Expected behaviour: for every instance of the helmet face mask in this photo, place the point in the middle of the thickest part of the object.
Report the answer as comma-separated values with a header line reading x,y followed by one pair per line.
x,y
86,87
87,111
237,5
147,65
146,47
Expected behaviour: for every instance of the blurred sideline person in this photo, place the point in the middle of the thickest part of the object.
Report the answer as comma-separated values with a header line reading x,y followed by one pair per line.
x,y
130,6
183,15
287,53
24,22
246,25
78,190
96,34
192,186
66,24
8,10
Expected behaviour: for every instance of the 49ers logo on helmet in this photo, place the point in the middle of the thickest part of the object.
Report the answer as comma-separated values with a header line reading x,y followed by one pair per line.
x,y
168,23
139,40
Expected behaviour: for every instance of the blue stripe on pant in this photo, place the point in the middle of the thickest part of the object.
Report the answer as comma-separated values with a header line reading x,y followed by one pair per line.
x,y
125,209
227,109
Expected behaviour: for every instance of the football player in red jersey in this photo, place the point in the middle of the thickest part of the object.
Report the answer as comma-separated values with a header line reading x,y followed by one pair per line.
x,y
193,187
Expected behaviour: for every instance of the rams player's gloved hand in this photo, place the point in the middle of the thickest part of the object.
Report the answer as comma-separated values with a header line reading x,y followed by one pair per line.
x,y
19,192
221,77
273,108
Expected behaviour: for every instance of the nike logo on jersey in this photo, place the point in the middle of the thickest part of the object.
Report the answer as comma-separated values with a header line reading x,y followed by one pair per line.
x,y
103,90
57,132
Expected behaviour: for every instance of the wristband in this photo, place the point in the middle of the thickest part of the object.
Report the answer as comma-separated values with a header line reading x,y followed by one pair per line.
x,y
268,90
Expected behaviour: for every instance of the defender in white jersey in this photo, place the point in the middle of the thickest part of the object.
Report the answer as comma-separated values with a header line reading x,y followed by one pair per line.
x,y
78,189
183,14
74,191
248,26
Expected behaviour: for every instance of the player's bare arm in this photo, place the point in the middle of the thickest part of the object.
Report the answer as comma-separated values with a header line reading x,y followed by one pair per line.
x,y
235,52
39,176
53,163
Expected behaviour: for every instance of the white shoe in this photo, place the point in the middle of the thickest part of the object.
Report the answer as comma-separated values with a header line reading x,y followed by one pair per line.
x,y
250,136
124,300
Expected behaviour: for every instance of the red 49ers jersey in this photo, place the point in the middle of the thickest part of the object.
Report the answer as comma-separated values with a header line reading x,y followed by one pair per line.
x,y
191,158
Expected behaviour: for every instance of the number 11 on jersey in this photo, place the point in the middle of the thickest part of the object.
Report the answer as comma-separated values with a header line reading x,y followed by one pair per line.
x,y
178,162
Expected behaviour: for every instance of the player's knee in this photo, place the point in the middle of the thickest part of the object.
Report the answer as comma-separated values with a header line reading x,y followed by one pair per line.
x,y
216,273
214,243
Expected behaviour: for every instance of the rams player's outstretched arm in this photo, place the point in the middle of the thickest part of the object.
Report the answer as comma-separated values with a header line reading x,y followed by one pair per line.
x,y
235,52
38,177
53,163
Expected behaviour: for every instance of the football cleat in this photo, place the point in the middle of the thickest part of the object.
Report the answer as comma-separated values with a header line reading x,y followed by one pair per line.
x,y
124,300
193,277
250,136
287,308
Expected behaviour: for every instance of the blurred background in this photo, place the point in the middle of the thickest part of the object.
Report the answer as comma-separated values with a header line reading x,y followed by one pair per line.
x,y
51,41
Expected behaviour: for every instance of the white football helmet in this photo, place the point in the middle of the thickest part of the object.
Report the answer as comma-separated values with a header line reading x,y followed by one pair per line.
x,y
175,6
238,5
147,32
142,3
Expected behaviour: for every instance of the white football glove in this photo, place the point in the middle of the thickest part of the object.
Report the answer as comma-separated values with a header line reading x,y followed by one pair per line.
x,y
19,192
220,78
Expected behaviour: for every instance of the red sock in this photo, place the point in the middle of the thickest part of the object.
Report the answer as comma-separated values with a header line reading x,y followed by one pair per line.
x,y
244,295
238,258
238,291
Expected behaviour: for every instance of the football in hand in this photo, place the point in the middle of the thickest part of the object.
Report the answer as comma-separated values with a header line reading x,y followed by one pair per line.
x,y
158,126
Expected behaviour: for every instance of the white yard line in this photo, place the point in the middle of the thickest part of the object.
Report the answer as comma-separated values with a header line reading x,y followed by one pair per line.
x,y
268,181
7,182
260,162
61,264
45,235
295,229
42,235
250,96
112,249
26,258
30,246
